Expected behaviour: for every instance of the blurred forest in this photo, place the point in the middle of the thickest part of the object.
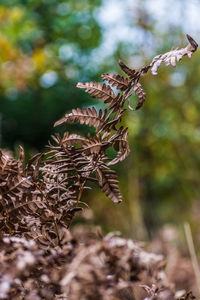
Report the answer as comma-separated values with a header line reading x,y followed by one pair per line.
x,y
47,46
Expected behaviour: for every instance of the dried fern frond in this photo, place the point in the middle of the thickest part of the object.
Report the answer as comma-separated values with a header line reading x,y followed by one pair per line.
x,y
107,133
88,116
96,90
41,197
109,184
18,194
131,73
124,149
120,82
95,146
172,56
72,139
168,58
140,93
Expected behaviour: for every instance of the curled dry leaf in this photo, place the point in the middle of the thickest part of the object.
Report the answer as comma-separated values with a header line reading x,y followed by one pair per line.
x,y
123,151
172,56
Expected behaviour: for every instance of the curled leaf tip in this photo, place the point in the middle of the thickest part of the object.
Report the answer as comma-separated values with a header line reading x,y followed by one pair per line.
x,y
192,42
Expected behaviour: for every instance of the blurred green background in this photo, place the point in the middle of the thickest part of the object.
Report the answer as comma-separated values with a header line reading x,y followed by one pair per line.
x,y
47,46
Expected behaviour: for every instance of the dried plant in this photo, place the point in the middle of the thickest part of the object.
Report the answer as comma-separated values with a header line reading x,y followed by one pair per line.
x,y
38,201
98,267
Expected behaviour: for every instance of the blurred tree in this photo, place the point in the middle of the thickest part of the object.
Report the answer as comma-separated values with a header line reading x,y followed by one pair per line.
x,y
44,46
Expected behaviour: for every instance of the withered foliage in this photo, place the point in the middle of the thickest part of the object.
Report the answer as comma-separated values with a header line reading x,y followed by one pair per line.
x,y
98,267
38,201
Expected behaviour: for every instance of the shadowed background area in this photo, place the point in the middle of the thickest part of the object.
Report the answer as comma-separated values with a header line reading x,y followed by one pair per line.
x,y
47,46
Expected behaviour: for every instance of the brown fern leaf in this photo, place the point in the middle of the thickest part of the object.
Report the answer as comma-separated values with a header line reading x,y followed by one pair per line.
x,y
168,58
120,82
172,56
50,176
124,149
86,116
72,139
69,161
131,73
61,198
96,90
29,168
22,197
110,124
116,103
95,146
8,165
140,93
92,146
19,200
69,195
109,184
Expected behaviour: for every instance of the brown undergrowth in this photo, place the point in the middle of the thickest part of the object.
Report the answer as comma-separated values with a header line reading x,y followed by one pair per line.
x,y
39,258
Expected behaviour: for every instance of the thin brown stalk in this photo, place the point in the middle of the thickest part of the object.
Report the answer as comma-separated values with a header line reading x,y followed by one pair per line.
x,y
192,251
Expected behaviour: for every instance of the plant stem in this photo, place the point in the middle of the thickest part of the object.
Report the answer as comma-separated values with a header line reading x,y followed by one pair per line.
x,y
78,200
193,256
